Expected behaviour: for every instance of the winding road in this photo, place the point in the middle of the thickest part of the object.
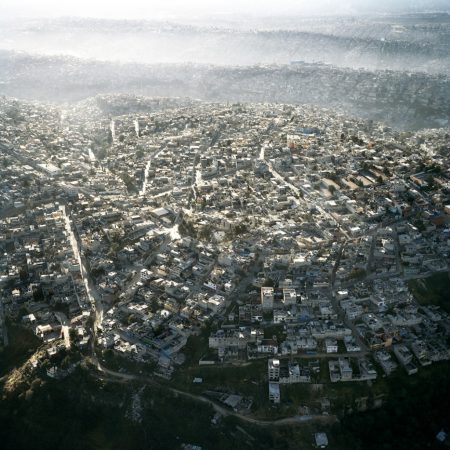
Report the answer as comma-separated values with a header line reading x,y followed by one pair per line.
x,y
114,376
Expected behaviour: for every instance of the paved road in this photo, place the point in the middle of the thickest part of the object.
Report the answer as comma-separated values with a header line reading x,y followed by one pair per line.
x,y
146,172
323,355
93,295
64,327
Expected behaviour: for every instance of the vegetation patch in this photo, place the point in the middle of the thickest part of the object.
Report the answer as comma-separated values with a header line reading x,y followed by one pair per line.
x,y
434,290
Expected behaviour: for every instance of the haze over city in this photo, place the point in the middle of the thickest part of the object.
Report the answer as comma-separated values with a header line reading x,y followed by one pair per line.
x,y
142,9
225,224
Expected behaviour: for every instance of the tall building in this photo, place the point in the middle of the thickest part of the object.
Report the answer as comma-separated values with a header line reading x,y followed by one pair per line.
x,y
273,367
267,297
289,296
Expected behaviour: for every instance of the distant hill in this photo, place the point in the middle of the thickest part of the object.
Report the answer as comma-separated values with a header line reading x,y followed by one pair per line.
x,y
401,99
418,42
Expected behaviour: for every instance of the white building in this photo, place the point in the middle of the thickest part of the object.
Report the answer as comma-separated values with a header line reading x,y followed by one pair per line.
x,y
331,345
289,297
273,367
274,392
267,297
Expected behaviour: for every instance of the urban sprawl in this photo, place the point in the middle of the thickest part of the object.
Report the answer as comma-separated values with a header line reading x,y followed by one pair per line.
x,y
289,233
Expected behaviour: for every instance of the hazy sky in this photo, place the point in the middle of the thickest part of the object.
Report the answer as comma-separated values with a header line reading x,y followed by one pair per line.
x,y
162,9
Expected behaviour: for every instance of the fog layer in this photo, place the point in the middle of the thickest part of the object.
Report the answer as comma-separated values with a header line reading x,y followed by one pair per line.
x,y
413,43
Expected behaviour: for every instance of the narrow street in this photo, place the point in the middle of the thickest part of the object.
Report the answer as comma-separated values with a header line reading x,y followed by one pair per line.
x,y
65,324
93,295
147,171
341,313
336,265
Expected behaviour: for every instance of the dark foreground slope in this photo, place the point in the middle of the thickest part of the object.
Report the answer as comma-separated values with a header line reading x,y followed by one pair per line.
x,y
83,412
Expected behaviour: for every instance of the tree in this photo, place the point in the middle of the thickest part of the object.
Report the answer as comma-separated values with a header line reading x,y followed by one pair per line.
x,y
357,273
23,274
420,225
101,153
23,311
38,294
154,305
241,229
205,233
65,363
430,181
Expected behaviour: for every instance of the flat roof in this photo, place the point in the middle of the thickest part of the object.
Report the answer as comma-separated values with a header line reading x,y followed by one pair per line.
x,y
160,212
